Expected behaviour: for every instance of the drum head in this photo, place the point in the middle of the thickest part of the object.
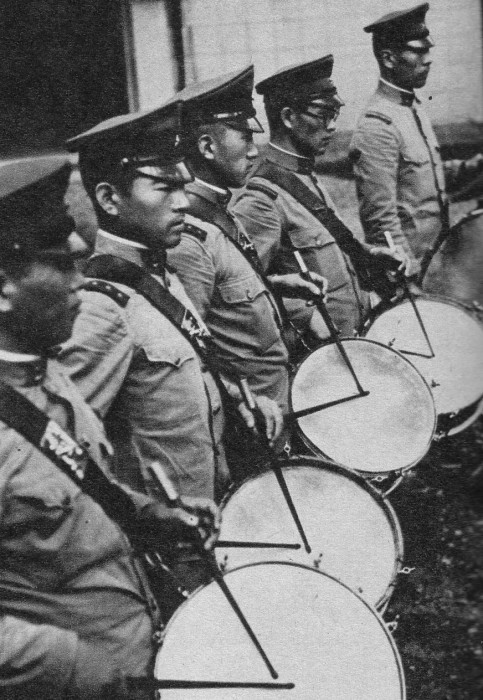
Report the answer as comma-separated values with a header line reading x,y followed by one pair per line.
x,y
389,430
455,373
316,632
352,531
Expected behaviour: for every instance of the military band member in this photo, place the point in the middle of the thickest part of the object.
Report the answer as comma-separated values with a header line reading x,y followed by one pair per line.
x,y
215,260
285,207
77,615
401,179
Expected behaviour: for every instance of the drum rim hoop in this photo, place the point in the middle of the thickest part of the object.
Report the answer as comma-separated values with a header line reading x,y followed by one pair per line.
x,y
378,616
354,476
408,362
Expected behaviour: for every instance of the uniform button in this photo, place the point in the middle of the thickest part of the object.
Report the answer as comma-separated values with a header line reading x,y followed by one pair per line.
x,y
249,295
318,241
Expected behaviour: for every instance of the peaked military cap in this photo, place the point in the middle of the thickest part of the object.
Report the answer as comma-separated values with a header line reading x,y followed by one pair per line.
x,y
403,28
136,139
33,215
302,83
227,98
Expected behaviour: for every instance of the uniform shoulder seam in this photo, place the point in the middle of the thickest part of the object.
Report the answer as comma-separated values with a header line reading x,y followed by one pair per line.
x,y
374,114
108,289
262,187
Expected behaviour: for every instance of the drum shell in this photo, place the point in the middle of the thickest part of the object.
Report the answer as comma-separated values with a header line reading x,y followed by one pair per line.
x,y
353,531
455,374
456,270
316,631
355,434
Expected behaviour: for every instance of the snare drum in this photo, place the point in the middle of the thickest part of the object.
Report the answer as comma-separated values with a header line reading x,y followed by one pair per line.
x,y
455,373
316,632
352,531
388,431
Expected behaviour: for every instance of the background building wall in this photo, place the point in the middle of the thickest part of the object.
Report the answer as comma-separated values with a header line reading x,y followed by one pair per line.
x,y
223,35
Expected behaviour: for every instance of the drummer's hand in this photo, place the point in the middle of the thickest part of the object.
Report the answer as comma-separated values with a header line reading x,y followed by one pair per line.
x,y
271,414
295,285
191,518
395,260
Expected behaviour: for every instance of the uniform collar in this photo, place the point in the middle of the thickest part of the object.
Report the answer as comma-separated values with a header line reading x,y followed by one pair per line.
x,y
18,369
395,94
218,196
287,159
137,253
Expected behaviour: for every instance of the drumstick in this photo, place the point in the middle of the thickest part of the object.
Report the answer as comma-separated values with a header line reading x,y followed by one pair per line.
x,y
250,402
175,684
255,545
174,499
334,334
393,248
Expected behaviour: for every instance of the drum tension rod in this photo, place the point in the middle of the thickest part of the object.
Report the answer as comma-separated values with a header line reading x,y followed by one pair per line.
x,y
334,333
162,479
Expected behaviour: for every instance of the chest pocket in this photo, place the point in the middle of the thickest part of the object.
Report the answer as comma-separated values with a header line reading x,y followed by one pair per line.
x,y
241,291
313,236
39,503
415,154
159,340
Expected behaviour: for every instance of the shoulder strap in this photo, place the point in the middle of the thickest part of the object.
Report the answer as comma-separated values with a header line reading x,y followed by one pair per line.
x,y
114,269
56,444
314,203
108,290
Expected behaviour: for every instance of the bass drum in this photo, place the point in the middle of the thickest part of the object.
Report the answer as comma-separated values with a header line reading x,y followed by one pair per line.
x,y
352,530
456,270
316,632
455,372
388,431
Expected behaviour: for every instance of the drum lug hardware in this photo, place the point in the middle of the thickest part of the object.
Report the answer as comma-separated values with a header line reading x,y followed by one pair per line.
x,y
223,564
391,343
434,384
379,479
393,625
318,560
287,448
158,636
406,570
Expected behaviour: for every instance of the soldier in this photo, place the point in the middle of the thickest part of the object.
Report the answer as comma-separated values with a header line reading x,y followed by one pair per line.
x,y
285,207
399,172
138,353
77,615
216,260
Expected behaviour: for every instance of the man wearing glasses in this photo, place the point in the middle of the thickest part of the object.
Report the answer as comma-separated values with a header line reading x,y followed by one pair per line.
x,y
286,208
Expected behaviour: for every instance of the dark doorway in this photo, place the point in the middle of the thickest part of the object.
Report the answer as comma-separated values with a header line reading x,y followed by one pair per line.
x,y
62,69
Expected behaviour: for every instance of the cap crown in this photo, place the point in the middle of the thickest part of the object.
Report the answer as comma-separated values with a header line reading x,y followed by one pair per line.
x,y
301,82
33,215
398,28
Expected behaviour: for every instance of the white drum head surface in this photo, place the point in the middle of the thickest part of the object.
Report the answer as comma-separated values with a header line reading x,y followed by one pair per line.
x,y
315,631
455,374
389,430
352,532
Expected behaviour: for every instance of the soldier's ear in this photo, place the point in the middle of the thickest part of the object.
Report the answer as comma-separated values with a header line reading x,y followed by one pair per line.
x,y
206,146
287,116
107,198
388,58
7,287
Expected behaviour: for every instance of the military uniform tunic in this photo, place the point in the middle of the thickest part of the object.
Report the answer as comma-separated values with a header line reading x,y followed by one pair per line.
x,y
144,377
75,607
230,295
399,173
278,224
